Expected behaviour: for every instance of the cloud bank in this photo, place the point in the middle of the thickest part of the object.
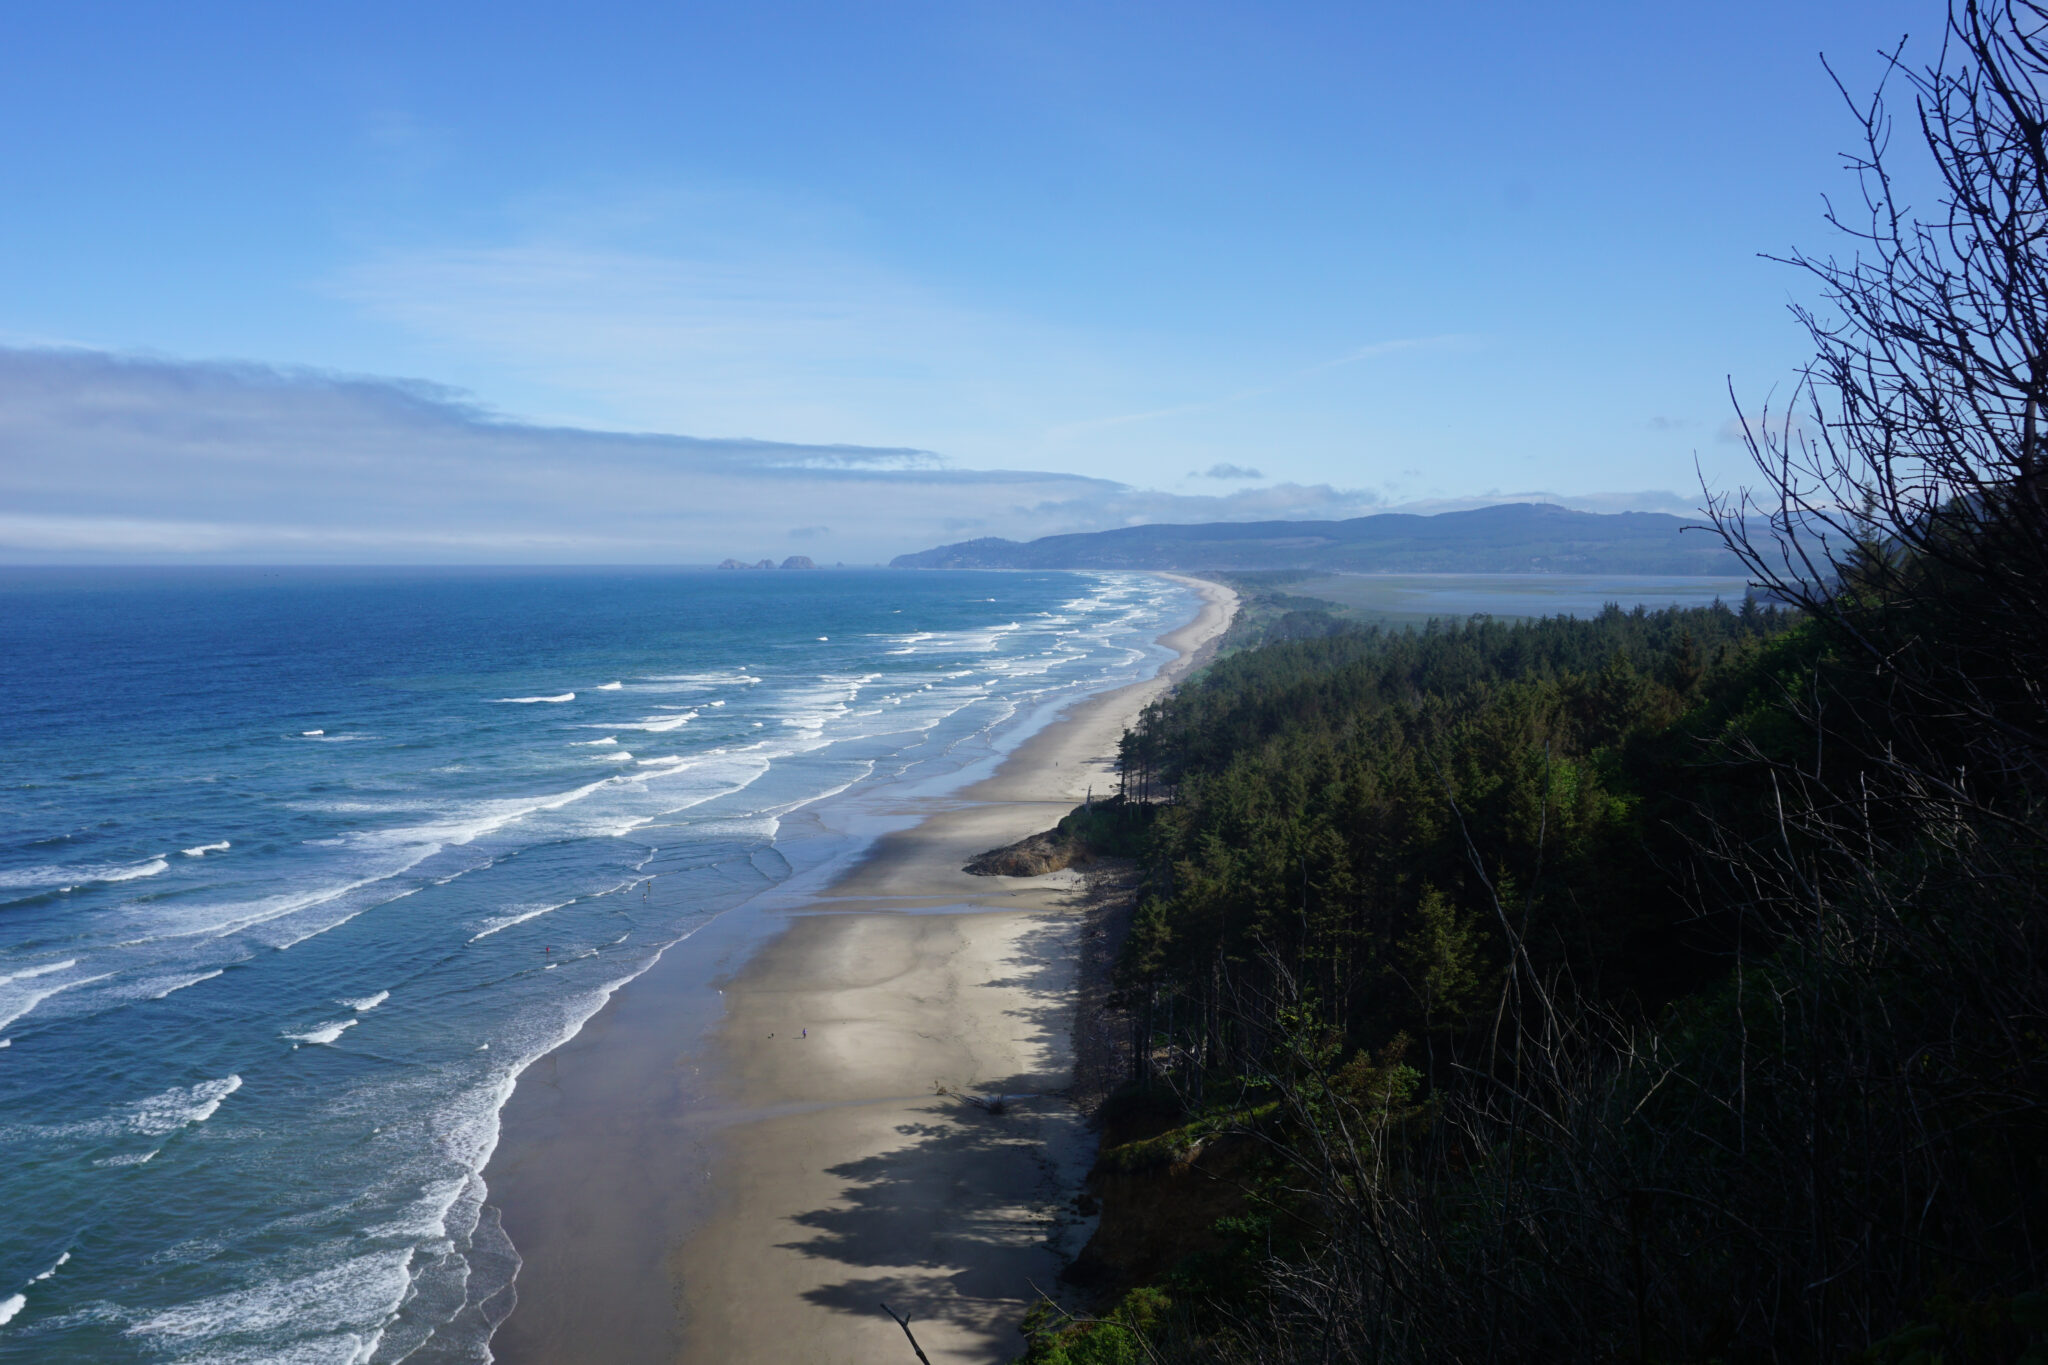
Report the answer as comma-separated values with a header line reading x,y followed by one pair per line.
x,y
108,458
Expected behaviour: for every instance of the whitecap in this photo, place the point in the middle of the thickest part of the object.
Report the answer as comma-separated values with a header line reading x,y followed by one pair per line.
x,y
363,1004
129,1159
18,1003
11,1305
167,1113
325,1033
163,986
593,743
55,1266
129,874
610,686
70,878
405,847
659,724
529,701
519,915
201,850
365,1288
43,969
311,734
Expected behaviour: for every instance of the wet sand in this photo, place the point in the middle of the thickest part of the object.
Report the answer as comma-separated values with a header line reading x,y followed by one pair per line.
x,y
693,1179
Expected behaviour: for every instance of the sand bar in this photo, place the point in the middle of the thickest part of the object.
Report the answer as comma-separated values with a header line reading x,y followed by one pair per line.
x,y
693,1179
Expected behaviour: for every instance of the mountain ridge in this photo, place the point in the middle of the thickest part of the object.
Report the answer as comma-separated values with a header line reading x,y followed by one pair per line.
x,y
1522,537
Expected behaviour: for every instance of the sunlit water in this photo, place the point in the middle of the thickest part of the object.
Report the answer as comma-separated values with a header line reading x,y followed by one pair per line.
x,y
299,869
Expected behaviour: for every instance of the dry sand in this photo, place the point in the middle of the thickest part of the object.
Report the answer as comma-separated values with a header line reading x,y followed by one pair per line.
x,y
798,1181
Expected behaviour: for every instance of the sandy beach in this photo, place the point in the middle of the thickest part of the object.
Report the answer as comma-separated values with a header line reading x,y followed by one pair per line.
x,y
744,1176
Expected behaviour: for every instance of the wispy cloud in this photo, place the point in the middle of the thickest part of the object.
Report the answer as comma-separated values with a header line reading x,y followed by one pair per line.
x,y
794,340
108,456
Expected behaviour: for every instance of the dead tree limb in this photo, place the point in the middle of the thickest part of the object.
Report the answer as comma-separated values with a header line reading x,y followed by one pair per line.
x,y
904,1322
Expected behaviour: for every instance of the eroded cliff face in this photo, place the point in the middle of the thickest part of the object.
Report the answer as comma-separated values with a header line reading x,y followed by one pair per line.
x,y
1158,1207
1033,856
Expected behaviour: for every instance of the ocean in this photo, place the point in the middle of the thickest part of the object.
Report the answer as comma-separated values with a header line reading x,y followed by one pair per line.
x,y
300,868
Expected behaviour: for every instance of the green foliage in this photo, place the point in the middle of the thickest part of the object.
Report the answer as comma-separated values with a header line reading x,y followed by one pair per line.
x,y
1110,827
1439,959
1589,973
1116,1338
1331,799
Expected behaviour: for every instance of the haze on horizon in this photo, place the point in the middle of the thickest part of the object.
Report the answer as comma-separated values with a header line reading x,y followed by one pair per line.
x,y
523,283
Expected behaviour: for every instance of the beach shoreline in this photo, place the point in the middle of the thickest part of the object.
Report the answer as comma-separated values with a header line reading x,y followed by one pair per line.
x,y
702,1176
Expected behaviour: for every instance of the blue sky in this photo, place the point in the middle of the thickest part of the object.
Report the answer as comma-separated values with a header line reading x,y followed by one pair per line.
x,y
1377,254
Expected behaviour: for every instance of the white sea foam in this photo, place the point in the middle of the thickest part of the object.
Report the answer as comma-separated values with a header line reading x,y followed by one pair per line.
x,y
610,686
201,850
129,874
363,1004
11,1305
163,986
593,743
530,701
69,878
398,850
19,1001
163,1114
618,756
325,1033
128,1158
658,724
520,915
311,734
364,1289
41,969
55,1266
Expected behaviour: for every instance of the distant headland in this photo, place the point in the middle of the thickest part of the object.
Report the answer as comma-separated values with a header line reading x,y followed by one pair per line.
x,y
1520,537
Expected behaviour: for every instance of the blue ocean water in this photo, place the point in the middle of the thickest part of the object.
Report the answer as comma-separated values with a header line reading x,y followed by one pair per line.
x,y
300,868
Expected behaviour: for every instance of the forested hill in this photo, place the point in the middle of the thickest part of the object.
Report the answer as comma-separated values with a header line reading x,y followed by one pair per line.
x,y
1610,989
1520,537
